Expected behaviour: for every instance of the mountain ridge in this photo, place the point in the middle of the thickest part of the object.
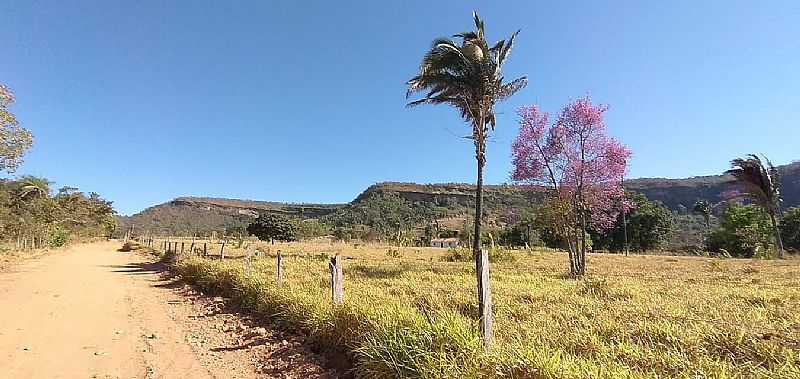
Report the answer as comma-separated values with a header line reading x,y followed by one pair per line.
x,y
195,213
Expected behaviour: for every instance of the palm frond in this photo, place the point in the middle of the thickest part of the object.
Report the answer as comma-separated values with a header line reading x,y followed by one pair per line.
x,y
32,186
466,36
467,77
503,55
759,183
508,89
478,24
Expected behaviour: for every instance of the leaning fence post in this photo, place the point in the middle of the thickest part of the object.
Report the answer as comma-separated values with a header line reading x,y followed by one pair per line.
x,y
337,279
280,269
484,298
222,250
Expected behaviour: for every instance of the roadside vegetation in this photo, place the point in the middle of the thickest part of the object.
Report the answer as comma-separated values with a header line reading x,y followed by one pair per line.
x,y
32,215
410,312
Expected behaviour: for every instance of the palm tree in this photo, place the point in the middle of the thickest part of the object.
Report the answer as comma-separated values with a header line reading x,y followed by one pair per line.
x,y
31,187
468,77
761,184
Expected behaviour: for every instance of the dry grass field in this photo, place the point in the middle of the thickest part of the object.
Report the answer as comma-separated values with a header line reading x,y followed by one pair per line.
x,y
408,313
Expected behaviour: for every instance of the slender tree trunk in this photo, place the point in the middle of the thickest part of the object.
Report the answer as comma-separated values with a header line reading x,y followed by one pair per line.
x,y
778,238
572,249
481,260
481,264
582,255
476,242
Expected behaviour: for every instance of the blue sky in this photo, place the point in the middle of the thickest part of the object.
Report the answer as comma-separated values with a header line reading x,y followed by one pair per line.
x,y
304,101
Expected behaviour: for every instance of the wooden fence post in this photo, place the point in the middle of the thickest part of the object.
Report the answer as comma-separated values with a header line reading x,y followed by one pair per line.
x,y
222,250
280,269
205,249
182,248
337,279
485,299
248,256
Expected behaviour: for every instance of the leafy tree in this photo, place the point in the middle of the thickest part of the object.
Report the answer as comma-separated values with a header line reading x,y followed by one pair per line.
x,y
648,225
468,77
311,228
235,229
744,232
761,184
790,228
580,166
14,139
387,214
703,208
34,218
516,235
272,226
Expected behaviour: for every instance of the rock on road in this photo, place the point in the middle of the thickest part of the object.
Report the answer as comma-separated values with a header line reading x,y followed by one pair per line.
x,y
90,311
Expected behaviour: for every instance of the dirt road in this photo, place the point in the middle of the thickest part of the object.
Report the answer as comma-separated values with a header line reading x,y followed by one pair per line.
x,y
93,312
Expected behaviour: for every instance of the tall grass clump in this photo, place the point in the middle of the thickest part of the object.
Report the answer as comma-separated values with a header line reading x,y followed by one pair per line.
x,y
381,342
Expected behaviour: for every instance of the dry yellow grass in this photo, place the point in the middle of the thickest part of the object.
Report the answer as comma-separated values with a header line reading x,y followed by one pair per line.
x,y
638,316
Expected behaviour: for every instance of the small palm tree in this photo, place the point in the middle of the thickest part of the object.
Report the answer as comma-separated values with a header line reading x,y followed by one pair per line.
x,y
467,76
761,184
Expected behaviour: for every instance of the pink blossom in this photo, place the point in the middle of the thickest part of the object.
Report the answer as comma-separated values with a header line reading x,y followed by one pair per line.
x,y
574,157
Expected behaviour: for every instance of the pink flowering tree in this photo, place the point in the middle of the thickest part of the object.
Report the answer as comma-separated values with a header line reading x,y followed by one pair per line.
x,y
579,164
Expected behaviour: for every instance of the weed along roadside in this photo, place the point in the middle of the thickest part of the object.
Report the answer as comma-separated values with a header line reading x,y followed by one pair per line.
x,y
411,314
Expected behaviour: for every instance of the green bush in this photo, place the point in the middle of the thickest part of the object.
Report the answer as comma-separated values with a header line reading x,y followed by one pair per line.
x,y
59,238
790,229
647,226
744,232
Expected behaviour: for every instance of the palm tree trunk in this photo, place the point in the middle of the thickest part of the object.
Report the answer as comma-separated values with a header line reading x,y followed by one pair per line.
x,y
778,238
482,260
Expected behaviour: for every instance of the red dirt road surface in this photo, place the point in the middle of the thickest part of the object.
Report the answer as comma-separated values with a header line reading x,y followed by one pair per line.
x,y
91,311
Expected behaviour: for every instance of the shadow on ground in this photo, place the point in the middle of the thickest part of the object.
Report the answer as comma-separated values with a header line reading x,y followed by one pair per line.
x,y
138,268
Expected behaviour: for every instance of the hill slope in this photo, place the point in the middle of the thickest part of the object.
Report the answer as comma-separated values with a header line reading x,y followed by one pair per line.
x,y
675,193
202,215
190,215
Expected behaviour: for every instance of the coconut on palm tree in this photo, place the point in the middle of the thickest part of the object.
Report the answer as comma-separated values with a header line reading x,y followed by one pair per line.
x,y
468,77
761,184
